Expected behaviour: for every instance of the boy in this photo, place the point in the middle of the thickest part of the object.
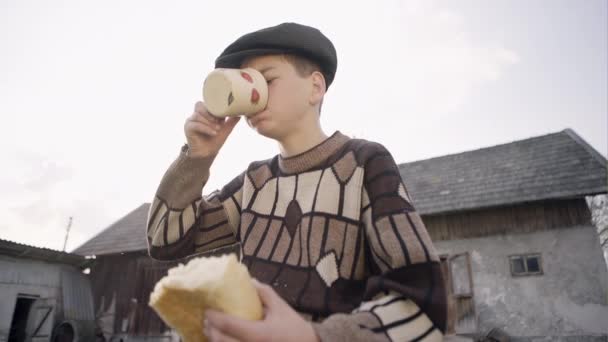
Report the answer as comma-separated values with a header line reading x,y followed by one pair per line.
x,y
327,223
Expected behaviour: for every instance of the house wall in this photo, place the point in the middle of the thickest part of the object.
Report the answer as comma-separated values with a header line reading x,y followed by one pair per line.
x,y
567,302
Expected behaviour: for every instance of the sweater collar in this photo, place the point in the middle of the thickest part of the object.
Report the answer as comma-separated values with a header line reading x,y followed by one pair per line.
x,y
314,156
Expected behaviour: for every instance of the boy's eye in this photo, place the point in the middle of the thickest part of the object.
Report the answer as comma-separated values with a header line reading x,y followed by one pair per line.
x,y
268,81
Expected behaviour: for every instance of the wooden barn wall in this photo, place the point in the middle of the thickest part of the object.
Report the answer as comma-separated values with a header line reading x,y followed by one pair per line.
x,y
126,277
522,218
116,277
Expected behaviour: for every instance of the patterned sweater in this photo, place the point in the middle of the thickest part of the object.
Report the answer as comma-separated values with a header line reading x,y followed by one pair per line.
x,y
332,230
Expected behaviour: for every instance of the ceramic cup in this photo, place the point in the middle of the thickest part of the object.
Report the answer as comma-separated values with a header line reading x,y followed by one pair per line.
x,y
233,92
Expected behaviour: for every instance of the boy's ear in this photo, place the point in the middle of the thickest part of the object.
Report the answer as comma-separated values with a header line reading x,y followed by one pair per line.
x,y
318,87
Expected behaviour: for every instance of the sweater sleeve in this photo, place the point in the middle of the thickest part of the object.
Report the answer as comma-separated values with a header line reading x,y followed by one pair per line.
x,y
405,297
181,222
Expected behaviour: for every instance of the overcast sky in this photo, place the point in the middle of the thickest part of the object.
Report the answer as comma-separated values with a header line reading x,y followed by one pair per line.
x,y
93,95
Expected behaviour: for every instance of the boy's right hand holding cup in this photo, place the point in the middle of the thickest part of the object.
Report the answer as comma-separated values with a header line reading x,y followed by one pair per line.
x,y
205,133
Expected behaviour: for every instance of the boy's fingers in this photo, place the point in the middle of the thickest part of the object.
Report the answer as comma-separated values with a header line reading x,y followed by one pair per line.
x,y
267,294
199,107
227,127
204,120
214,335
209,117
234,327
201,128
230,123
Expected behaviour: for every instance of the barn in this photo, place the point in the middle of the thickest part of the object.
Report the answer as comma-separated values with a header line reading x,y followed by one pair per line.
x,y
44,295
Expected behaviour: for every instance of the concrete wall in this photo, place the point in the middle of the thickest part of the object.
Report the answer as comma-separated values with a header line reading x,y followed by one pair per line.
x,y
569,299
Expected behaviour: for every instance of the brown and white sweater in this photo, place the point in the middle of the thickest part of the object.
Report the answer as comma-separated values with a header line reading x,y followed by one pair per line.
x,y
332,230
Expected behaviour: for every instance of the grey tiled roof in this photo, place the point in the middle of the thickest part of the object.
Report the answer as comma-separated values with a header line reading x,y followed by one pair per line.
x,y
558,165
125,235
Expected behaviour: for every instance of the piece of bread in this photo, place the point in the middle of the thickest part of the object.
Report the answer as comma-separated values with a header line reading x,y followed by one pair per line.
x,y
220,283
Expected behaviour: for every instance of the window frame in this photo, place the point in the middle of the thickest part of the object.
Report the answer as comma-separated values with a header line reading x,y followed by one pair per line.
x,y
524,258
467,262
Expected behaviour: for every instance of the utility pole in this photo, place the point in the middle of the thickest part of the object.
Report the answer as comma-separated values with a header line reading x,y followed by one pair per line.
x,y
67,232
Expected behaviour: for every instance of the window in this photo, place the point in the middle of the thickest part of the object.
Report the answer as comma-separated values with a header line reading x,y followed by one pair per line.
x,y
526,264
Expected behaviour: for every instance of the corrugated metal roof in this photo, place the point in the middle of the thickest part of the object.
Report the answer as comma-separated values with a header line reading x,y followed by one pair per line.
x,y
558,165
553,166
19,250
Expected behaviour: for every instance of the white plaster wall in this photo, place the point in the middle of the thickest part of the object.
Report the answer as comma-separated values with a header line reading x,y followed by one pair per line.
x,y
569,299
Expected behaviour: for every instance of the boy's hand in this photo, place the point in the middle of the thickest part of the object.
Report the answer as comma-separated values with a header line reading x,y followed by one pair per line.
x,y
206,133
280,323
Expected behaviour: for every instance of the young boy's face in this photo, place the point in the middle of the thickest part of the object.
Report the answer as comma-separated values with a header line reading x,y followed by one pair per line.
x,y
289,97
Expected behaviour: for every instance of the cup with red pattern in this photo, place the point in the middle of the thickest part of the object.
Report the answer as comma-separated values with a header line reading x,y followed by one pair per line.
x,y
233,92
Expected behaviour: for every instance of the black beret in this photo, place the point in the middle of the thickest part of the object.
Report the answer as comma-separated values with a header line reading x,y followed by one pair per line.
x,y
286,38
